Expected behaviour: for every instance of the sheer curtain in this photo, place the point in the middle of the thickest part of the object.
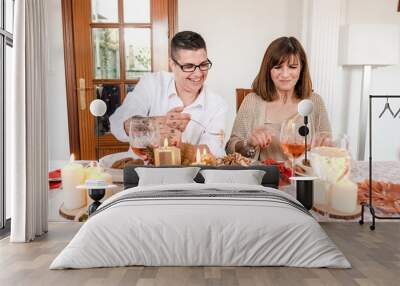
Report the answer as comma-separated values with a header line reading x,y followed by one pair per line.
x,y
26,117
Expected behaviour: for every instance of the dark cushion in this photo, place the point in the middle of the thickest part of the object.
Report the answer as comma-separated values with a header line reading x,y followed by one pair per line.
x,y
270,179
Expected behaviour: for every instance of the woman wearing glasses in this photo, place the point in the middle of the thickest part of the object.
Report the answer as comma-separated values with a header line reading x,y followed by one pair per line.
x,y
282,82
190,108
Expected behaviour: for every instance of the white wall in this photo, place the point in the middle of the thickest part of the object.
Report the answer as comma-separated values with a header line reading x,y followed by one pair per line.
x,y
384,80
237,34
57,102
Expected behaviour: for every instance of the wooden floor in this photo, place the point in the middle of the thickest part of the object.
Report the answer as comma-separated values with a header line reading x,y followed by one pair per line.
x,y
375,257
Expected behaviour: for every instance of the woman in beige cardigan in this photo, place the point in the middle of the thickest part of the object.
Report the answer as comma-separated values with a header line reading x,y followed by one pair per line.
x,y
282,82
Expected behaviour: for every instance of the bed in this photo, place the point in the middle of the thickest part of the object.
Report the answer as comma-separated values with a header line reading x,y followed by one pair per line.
x,y
197,224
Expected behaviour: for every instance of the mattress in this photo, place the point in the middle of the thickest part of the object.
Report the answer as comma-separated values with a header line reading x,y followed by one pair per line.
x,y
201,225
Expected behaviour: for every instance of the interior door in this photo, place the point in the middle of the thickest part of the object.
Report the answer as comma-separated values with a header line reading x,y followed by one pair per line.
x,y
115,42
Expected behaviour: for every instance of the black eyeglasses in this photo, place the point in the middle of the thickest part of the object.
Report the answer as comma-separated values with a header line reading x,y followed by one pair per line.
x,y
204,66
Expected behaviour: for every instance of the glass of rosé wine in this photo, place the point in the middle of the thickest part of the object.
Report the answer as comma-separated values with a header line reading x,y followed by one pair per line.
x,y
143,134
291,140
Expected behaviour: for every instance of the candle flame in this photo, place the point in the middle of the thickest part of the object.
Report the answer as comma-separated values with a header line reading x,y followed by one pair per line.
x,y
72,158
165,142
198,155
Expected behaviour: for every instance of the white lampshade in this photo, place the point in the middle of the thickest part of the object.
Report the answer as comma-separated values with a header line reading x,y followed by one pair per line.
x,y
305,107
369,44
98,107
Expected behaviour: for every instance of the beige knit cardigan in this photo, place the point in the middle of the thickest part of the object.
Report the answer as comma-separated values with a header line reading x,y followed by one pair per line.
x,y
252,114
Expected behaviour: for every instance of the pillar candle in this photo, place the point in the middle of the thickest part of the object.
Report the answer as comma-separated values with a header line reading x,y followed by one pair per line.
x,y
344,196
167,155
72,175
321,192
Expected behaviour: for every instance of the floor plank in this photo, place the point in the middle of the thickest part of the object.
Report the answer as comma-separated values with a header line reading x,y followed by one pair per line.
x,y
374,255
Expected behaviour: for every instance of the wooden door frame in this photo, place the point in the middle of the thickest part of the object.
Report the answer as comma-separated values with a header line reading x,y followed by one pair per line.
x,y
70,78
70,74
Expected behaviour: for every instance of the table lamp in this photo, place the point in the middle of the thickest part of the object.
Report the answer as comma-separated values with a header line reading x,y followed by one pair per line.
x,y
305,185
97,108
305,107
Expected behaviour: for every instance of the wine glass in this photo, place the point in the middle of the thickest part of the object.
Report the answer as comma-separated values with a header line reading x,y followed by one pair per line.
x,y
292,140
326,138
143,134
331,157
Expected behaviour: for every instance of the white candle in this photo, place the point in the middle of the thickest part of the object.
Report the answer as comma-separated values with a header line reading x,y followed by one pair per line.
x,y
344,196
73,175
198,156
321,192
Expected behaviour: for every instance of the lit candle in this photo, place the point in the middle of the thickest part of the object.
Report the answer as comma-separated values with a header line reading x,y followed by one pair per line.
x,y
72,175
344,196
167,155
198,156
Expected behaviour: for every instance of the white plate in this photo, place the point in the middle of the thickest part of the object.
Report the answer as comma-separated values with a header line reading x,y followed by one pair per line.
x,y
107,161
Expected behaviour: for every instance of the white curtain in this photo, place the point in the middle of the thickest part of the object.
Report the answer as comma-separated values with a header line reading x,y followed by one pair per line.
x,y
26,117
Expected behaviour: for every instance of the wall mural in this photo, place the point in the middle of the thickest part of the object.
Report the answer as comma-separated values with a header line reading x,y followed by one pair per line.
x,y
316,164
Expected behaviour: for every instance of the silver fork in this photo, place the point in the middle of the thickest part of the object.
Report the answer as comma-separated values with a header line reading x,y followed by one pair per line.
x,y
220,134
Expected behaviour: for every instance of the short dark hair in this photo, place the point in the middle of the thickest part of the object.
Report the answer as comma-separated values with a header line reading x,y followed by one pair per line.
x,y
187,40
279,51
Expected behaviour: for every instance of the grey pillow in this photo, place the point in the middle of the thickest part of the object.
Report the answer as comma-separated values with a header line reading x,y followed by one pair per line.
x,y
166,176
249,177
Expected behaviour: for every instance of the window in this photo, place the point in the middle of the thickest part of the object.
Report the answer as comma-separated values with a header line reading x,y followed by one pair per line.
x,y
6,45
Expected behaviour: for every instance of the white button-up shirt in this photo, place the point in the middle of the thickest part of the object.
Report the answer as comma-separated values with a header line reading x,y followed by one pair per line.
x,y
155,95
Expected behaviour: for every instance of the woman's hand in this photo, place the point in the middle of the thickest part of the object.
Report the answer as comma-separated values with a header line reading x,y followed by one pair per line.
x,y
261,137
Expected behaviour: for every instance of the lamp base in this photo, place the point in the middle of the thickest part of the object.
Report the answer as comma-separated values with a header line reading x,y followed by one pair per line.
x,y
305,190
305,193
96,195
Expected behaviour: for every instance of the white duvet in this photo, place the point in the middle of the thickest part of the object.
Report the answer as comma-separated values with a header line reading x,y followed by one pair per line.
x,y
200,231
